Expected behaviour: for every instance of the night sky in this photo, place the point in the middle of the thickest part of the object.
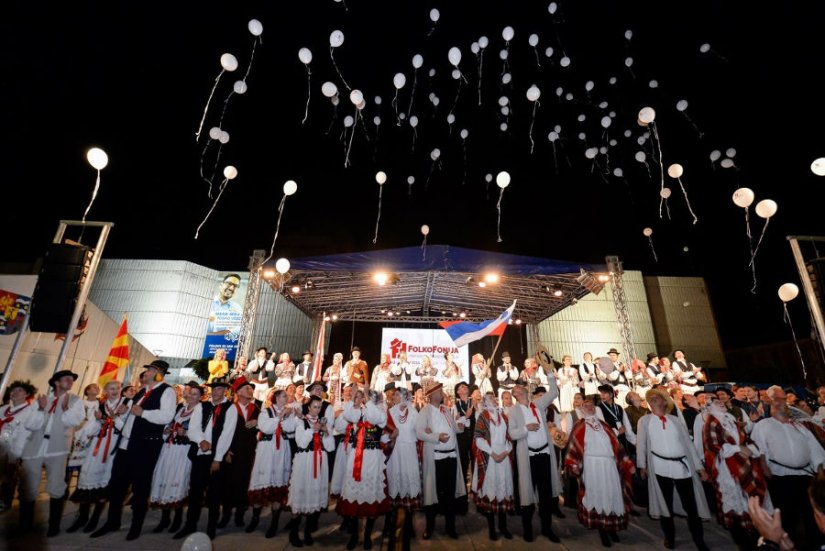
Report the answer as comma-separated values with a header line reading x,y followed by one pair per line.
x,y
134,79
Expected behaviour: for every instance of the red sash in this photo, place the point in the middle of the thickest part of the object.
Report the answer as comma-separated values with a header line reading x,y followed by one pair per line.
x,y
317,453
105,432
359,449
278,436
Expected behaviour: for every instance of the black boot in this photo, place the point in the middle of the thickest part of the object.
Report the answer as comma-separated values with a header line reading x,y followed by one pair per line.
x,y
428,530
212,522
669,530
697,533
368,533
294,540
344,527
95,518
138,516
555,509
527,522
353,534
256,518
225,517
389,524
605,538
312,522
491,527
176,520
273,524
240,512
26,515
308,529
55,515
449,521
165,521
502,526
82,518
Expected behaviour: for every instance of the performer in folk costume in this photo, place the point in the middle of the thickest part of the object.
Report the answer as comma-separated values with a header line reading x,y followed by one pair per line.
x,y
668,460
93,482
451,375
533,375
13,436
269,482
364,492
305,371
170,482
465,413
426,372
443,479
733,467
568,380
403,473
284,372
342,430
140,442
382,374
402,371
538,473
589,375
83,439
493,473
689,375
309,481
52,425
334,378
357,369
614,415
605,475
258,372
234,455
482,375
506,374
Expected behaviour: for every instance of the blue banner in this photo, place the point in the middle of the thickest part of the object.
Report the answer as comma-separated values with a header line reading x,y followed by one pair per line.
x,y
226,316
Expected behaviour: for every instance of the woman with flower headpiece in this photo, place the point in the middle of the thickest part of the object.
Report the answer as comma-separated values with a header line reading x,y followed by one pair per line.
x,y
493,473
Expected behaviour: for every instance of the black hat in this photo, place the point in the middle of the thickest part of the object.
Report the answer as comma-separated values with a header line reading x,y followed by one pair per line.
x,y
612,351
505,354
651,355
160,365
389,386
726,390
606,388
313,384
307,352
219,382
415,387
355,348
60,374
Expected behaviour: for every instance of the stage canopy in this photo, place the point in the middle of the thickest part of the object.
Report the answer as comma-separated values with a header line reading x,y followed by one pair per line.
x,y
432,284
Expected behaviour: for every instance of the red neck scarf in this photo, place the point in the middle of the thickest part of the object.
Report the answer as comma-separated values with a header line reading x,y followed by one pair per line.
x,y
535,412
11,414
664,421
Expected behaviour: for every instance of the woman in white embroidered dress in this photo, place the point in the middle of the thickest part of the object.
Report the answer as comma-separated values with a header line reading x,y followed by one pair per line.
x,y
493,473
482,374
568,379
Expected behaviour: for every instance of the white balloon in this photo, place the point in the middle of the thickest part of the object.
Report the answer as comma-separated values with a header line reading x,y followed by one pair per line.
x,y
488,178
503,54
612,80
665,192
548,51
214,132
788,292
503,179
336,38
417,61
464,133
704,48
454,55
628,62
413,121
229,62
505,111
483,42
335,100
641,140
557,128
356,97
198,541
474,48
506,78
456,74
450,118
360,106
628,34
818,166
653,83
715,155
98,158
255,27
230,172
377,100
582,136
282,265
380,177
436,101
431,72
613,142
290,187
730,152
348,121
533,93
552,7
627,133
399,80
435,15
647,115
425,229
376,120
582,117
591,152
766,208
305,55
675,170
411,180
640,156
726,163
435,154
606,122
647,232
743,197
565,61
589,85
681,105
503,100
553,136
507,33
618,172
224,137
329,89
239,87
533,40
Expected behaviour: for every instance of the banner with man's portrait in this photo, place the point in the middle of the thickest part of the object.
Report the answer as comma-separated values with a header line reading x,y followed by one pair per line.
x,y
226,315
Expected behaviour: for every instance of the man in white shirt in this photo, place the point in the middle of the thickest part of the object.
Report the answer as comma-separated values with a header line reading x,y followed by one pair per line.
x,y
259,372
506,374
305,371
13,436
613,414
689,375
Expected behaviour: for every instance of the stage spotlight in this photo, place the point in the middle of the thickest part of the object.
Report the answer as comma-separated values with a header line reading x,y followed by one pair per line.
x,y
604,278
462,315
557,293
334,317
518,321
269,273
491,277
381,278
482,284
589,282
296,289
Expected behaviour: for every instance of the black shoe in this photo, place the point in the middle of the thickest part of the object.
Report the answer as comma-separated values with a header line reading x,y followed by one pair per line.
x,y
81,520
183,532
55,515
94,519
294,540
165,521
368,544
273,524
614,536
557,513
103,530
225,518
211,532
177,520
669,544
344,527
551,535
605,539
253,522
239,520
353,536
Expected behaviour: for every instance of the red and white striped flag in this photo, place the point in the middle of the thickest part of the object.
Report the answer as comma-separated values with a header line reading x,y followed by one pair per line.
x,y
319,350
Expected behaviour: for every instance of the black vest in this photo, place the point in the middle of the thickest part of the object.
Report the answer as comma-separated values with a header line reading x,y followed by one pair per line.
x,y
217,426
143,430
613,415
206,413
244,440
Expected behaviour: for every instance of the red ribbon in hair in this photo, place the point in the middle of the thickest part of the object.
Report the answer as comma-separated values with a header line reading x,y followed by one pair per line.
x,y
347,434
105,432
359,449
317,452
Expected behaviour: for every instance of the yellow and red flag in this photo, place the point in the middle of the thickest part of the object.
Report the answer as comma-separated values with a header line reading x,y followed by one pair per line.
x,y
118,356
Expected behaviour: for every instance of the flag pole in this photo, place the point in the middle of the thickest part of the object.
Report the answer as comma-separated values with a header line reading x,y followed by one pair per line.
x,y
495,348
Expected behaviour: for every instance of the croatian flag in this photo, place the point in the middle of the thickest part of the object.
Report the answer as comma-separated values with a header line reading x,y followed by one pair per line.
x,y
466,332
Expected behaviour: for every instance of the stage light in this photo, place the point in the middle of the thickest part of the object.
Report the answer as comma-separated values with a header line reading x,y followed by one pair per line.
x,y
462,315
381,278
389,314
482,284
518,321
383,310
334,317
455,314
491,277
604,278
326,318
557,293
269,273
589,282
296,289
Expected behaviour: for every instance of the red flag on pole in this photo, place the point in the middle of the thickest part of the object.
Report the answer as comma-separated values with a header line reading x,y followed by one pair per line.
x,y
319,350
118,356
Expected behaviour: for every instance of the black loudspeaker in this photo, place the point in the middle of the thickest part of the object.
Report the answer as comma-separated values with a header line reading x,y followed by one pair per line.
x,y
64,269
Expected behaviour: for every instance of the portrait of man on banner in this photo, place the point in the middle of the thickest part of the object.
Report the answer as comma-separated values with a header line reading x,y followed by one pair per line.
x,y
225,316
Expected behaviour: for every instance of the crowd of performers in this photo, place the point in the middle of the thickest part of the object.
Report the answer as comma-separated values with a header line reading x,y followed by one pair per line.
x,y
387,442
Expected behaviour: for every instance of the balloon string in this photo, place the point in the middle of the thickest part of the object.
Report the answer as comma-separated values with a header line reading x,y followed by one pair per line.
x,y
208,214
225,105
204,178
684,192
94,194
750,246
657,145
652,249
667,209
412,93
277,229
455,101
787,318
538,59
395,107
427,183
414,137
532,122
480,69
695,127
498,223
378,218
424,248
755,250
337,70
351,137
215,168
205,109
309,94
332,122
251,57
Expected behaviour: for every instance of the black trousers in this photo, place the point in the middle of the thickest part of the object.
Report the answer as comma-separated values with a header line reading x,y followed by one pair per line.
x,y
685,488
198,483
790,494
132,468
445,475
540,467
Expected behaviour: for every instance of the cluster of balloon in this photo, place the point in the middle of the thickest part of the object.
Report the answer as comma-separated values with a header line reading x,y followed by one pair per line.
x,y
239,87
647,118
507,33
336,39
229,173
99,160
356,97
502,181
478,49
787,292
215,135
727,162
417,62
533,94
228,63
398,82
435,15
305,56
330,90
435,157
454,56
743,197
425,231
675,171
681,107
290,187
381,178
648,232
